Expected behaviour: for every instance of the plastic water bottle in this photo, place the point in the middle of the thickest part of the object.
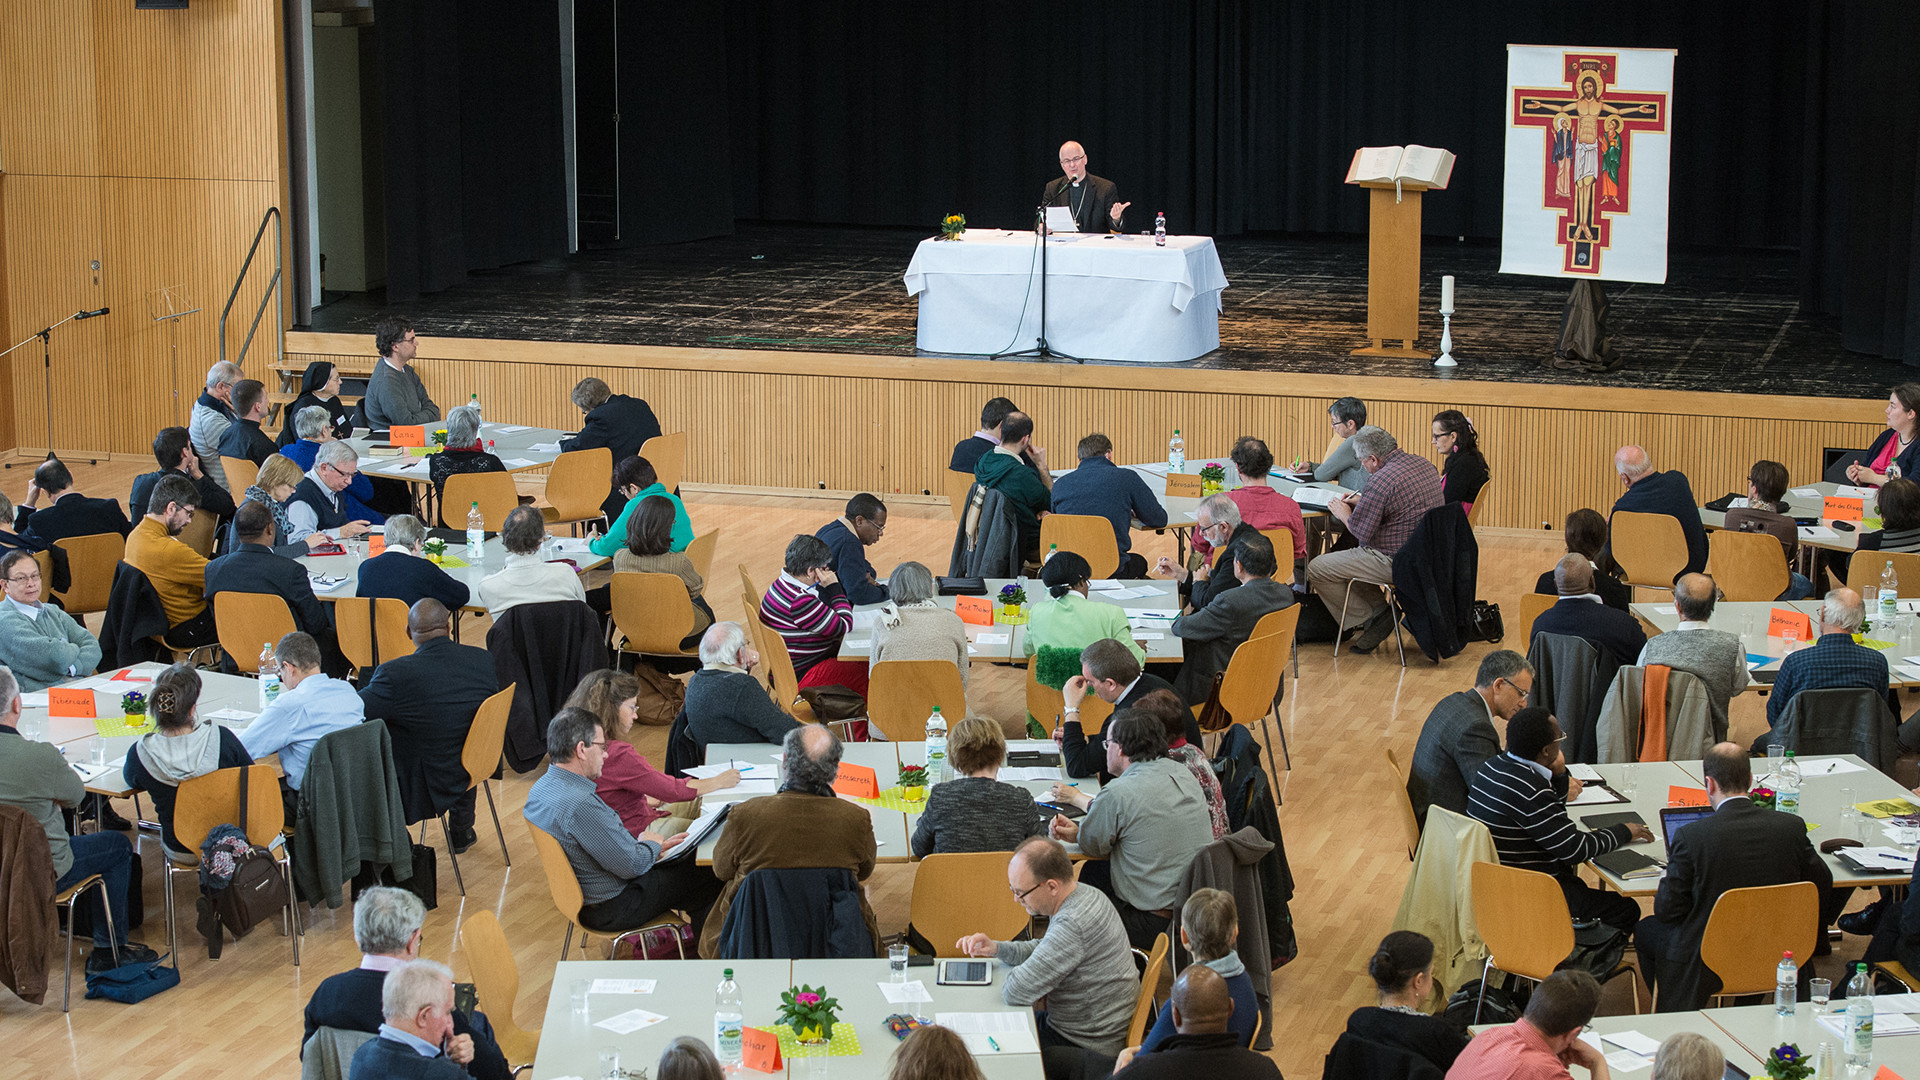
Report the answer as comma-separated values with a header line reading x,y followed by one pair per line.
x,y
1786,979
1860,1018
1160,229
727,1019
473,402
1786,786
1889,598
1176,453
936,747
269,675
1052,550
476,533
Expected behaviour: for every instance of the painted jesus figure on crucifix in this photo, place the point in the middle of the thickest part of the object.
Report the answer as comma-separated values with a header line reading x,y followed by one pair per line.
x,y
1588,112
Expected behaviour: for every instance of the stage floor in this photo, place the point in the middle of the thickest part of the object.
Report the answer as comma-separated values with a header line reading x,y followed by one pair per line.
x,y
1724,321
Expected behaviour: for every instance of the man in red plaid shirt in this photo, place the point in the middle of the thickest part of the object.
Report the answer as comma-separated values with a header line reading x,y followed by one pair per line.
x,y
1401,488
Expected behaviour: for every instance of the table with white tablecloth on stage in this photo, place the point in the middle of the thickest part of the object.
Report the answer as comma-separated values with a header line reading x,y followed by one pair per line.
x,y
1109,297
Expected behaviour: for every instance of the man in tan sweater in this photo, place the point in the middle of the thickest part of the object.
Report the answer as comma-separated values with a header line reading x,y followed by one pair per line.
x,y
178,573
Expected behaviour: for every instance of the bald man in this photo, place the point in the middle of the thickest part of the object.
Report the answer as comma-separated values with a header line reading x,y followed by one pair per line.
x,y
1717,658
1094,200
1650,491
1581,613
428,699
1205,1046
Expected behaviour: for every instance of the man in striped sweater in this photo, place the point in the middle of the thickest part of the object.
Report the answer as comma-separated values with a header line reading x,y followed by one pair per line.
x,y
808,608
1513,795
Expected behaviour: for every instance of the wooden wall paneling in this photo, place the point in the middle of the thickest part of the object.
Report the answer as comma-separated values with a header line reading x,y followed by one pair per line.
x,y
48,107
53,226
6,333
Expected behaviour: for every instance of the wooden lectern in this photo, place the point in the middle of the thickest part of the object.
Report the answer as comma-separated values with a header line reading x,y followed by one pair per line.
x,y
1393,268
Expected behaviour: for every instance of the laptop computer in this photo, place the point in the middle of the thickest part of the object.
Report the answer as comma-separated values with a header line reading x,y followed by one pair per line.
x,y
1674,818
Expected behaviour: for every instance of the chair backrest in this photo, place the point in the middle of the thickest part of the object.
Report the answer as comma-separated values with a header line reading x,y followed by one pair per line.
x,y
957,485
241,473
562,884
371,630
752,591
1086,535
1649,547
956,895
668,456
652,610
496,979
44,560
198,534
245,621
1281,538
1403,804
494,491
90,563
1046,704
1867,566
1750,928
1841,721
1747,566
1251,683
577,483
1531,605
486,736
783,683
1522,916
1149,981
214,799
1480,500
700,552
901,694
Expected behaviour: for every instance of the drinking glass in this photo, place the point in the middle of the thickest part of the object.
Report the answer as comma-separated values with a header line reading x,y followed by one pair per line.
x,y
1629,781
577,990
1906,837
1788,638
1820,990
610,1063
1776,753
97,751
897,962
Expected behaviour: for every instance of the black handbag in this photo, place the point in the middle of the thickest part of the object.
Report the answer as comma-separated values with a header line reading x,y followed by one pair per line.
x,y
963,586
1484,622
424,883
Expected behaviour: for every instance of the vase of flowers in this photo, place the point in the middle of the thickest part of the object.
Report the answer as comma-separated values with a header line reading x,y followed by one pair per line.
x,y
1013,603
913,783
133,703
1762,797
953,226
1786,1062
434,547
1213,477
440,438
810,1013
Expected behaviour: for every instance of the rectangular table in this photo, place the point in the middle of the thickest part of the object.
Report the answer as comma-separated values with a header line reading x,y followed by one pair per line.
x,y
1749,620
889,826
1660,1027
1822,535
858,643
1107,297
493,560
856,984
915,753
1758,1030
513,444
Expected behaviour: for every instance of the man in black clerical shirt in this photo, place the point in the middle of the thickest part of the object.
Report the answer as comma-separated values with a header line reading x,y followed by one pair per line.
x,y
1094,200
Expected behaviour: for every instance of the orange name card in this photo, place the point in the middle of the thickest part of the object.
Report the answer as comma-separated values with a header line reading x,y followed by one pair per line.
x,y
1686,796
408,435
857,781
760,1050
1843,509
974,609
1183,486
376,543
1886,1074
1785,619
69,702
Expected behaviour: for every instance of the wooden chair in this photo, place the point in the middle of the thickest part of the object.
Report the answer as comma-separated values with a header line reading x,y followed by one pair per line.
x,y
205,802
1403,805
752,591
198,534
244,621
1480,500
1256,675
1522,916
901,694
782,683
486,737
668,456
1650,548
957,895
1047,704
1893,970
1149,982
371,630
1531,605
1864,570
958,483
700,552
652,612
90,563
241,473
496,979
1346,601
564,887
576,486
1747,566
44,560
1281,538
494,491
1086,535
1750,928
69,897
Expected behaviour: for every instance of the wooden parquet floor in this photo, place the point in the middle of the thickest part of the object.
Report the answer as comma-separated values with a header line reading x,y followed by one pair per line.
x,y
240,1016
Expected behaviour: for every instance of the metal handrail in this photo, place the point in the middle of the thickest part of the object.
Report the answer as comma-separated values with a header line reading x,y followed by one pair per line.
x,y
272,293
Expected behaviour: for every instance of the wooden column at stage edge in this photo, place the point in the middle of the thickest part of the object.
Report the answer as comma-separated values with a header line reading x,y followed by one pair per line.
x,y
1393,269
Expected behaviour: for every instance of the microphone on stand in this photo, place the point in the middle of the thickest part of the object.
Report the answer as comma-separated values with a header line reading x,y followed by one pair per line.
x,y
90,314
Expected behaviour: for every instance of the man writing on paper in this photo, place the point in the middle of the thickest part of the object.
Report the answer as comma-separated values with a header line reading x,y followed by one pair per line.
x,y
1094,200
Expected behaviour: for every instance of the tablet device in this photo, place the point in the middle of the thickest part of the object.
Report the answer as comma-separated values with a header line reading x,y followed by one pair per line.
x,y
965,973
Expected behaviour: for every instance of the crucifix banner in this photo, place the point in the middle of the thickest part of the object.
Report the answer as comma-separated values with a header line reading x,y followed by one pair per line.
x,y
1589,141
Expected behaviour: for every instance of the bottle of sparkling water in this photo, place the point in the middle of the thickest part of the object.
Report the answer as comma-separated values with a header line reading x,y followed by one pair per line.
x,y
1889,598
269,675
1176,453
936,747
1786,980
473,402
476,533
1786,786
1052,550
727,1019
1860,1018
1160,229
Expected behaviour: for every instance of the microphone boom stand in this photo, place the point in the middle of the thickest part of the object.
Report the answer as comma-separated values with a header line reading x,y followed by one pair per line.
x,y
1040,350
45,336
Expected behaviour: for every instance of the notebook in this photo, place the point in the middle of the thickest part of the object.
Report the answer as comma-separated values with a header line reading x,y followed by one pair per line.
x,y
1627,865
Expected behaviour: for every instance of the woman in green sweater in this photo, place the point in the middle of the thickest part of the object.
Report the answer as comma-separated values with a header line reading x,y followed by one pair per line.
x,y
1070,620
42,644
634,477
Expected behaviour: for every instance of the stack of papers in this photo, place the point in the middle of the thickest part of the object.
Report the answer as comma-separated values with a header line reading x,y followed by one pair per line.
x,y
1586,774
1314,496
571,545
326,582
1884,1023
987,1033
1881,858
1003,638
1625,1051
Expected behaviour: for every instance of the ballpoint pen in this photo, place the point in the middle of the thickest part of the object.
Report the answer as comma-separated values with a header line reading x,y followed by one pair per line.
x,y
995,1045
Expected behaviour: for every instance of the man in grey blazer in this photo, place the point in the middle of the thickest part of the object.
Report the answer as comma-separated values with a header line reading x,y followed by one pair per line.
x,y
1459,734
1716,657
1212,633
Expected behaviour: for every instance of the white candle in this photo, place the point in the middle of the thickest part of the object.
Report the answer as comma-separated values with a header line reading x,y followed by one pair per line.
x,y
1446,293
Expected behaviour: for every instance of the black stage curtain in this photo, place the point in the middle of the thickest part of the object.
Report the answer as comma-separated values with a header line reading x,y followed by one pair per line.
x,y
675,179
473,140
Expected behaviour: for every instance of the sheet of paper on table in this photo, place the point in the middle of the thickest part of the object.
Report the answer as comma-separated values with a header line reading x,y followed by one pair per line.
x,y
1313,496
1009,1029
519,463
506,429
34,700
993,639
238,717
1586,774
90,773
1149,615
749,770
1816,532
902,993
1134,593
1827,766
1634,1041
621,986
572,545
1148,635
1881,858
857,642
630,1021
1846,491
864,620
751,787
1107,585
1884,1024
1595,795
1806,492
544,447
1041,773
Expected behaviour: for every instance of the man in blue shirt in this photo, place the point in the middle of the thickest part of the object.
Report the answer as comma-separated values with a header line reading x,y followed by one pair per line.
x,y
309,706
1832,662
417,1001
1103,489
847,538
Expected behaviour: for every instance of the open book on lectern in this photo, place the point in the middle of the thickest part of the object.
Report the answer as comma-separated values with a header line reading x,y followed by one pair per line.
x,y
1427,165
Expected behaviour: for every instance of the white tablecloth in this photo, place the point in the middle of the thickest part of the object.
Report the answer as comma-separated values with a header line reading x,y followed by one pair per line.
x,y
1109,297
